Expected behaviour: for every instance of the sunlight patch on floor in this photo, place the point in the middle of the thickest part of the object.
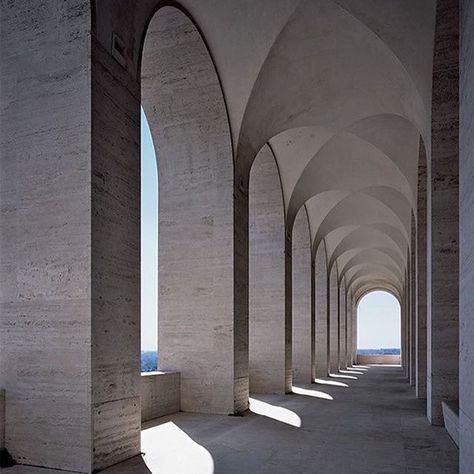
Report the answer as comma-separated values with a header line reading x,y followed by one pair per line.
x,y
167,448
275,412
311,393
334,383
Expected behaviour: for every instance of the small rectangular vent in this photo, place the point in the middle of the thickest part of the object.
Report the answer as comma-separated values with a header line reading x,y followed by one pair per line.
x,y
118,49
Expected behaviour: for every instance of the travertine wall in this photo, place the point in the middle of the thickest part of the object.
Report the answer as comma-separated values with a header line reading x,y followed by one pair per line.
x,y
349,329
266,277
2,419
342,324
443,223
192,140
301,272
45,234
466,174
159,394
115,260
333,320
321,312
421,297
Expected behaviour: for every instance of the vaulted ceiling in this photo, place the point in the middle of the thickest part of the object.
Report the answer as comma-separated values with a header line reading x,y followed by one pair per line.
x,y
341,91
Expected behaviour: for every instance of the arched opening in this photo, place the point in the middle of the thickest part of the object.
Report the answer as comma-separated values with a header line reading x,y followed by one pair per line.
x,y
378,328
183,102
149,249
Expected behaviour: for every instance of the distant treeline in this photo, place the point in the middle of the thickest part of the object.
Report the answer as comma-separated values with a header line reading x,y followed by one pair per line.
x,y
389,351
149,361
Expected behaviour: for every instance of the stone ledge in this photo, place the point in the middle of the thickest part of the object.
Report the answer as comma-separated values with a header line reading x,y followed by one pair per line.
x,y
379,359
451,419
160,394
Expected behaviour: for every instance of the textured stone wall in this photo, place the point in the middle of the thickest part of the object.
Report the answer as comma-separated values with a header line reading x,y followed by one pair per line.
x,y
378,359
413,308
186,112
321,312
159,394
45,234
443,223
421,302
466,174
349,329
115,282
333,320
2,419
354,330
342,324
301,265
267,348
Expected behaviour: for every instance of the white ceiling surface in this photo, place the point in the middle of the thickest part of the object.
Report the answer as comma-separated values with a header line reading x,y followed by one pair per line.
x,y
341,89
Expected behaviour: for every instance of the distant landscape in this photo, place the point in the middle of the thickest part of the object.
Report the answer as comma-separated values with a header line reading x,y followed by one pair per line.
x,y
149,361
389,351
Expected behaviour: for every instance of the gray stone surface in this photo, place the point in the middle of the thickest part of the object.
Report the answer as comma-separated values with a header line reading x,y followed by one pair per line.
x,y
342,324
321,313
159,394
193,146
333,320
421,296
443,221
2,419
267,348
115,279
466,217
301,301
451,419
45,232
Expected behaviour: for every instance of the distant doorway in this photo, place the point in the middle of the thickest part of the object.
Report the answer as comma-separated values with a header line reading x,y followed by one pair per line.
x,y
378,328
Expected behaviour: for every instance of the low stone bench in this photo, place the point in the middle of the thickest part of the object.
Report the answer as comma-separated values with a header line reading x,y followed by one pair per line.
x,y
451,419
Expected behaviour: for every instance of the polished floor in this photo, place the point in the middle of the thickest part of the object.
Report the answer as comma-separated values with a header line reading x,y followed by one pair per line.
x,y
362,420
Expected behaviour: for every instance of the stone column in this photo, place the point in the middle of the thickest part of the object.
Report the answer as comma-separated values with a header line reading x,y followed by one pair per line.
x,y
70,241
443,222
301,263
466,173
321,312
333,320
267,346
421,277
342,313
354,332
404,338
413,305
349,338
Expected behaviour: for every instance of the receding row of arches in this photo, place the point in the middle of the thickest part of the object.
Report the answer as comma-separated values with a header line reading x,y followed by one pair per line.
x,y
239,272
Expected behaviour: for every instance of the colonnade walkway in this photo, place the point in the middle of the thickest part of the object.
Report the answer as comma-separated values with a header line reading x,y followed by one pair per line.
x,y
362,420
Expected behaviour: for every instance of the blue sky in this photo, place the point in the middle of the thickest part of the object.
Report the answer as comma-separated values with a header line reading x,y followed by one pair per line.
x,y
378,313
149,244
378,321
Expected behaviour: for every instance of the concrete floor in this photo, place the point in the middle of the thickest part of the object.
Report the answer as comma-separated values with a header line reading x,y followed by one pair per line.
x,y
366,421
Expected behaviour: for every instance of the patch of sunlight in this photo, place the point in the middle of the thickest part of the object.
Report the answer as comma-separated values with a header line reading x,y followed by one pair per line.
x,y
351,372
334,383
343,376
277,413
366,367
358,368
311,393
167,448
